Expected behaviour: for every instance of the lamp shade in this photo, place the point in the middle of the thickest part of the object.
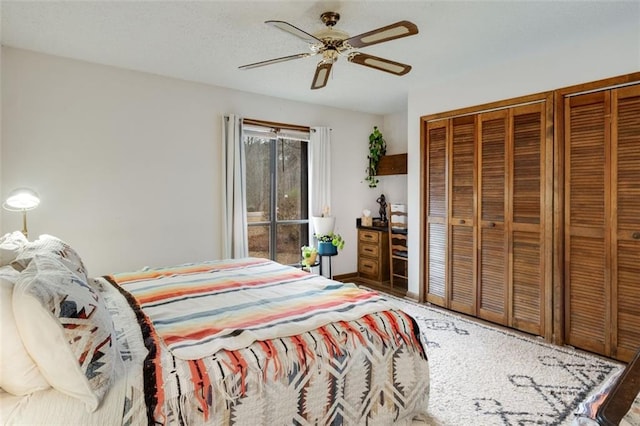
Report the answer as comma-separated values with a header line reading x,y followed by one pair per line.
x,y
21,199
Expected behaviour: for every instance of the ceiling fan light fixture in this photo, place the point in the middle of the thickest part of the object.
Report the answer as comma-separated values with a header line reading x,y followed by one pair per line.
x,y
332,43
329,56
331,34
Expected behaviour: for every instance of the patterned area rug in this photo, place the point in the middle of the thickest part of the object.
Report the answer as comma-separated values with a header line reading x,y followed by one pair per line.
x,y
483,375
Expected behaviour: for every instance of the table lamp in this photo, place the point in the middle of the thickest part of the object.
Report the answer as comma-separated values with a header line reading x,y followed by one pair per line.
x,y
21,200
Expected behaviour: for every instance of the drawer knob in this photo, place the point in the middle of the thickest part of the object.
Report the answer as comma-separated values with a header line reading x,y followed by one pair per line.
x,y
636,236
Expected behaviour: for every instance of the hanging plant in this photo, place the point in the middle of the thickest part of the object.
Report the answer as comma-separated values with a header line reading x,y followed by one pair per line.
x,y
377,148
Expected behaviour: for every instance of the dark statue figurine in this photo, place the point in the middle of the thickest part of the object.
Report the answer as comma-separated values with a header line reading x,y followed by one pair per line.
x,y
383,208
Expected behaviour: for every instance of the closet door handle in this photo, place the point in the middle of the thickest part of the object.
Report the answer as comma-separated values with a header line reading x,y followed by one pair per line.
x,y
636,235
461,221
492,225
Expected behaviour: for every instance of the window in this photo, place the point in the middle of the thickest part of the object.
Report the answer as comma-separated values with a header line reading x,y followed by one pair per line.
x,y
277,192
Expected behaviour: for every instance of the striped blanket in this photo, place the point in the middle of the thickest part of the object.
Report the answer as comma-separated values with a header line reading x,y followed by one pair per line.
x,y
199,309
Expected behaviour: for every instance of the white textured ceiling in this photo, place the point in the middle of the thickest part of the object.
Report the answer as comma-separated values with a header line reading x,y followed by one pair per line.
x,y
206,41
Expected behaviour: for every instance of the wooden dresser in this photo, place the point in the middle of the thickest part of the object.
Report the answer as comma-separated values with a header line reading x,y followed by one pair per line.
x,y
373,256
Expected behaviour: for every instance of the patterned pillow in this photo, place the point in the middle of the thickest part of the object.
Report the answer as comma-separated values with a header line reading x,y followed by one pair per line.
x,y
19,375
10,245
67,329
48,245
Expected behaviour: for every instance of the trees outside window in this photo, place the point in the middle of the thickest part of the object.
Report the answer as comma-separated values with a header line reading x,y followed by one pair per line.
x,y
277,195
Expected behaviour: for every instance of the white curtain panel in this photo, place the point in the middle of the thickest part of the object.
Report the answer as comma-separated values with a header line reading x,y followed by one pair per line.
x,y
319,171
235,244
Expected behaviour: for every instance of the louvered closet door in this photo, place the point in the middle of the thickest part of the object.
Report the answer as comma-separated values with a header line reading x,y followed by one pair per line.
x,y
587,217
436,229
462,287
626,238
527,298
492,239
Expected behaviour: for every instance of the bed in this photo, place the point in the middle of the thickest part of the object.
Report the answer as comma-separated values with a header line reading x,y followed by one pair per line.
x,y
236,341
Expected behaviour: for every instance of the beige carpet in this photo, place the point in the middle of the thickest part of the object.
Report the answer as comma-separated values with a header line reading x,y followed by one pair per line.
x,y
485,375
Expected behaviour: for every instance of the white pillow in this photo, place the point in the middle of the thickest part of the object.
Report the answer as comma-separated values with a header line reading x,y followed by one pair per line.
x,y
67,329
10,246
48,245
19,375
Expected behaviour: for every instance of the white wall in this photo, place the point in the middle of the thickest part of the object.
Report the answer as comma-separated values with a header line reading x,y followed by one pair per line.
x,y
394,187
1,199
605,54
127,164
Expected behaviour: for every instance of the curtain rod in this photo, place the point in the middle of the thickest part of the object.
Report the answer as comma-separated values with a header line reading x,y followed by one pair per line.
x,y
276,126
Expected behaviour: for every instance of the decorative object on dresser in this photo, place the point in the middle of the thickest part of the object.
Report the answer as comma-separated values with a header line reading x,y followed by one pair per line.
x,y
21,200
383,208
398,261
366,218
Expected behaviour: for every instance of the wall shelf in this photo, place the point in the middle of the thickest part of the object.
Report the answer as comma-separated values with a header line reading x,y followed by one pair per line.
x,y
392,165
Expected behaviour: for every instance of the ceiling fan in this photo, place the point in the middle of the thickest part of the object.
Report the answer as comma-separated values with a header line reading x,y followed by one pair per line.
x,y
332,43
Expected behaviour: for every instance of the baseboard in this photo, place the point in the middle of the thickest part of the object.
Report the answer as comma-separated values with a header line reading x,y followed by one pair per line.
x,y
345,277
412,296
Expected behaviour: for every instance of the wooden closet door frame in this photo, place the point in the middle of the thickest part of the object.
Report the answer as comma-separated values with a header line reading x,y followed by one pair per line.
x,y
482,224
568,232
559,191
618,234
453,221
544,106
425,172
549,182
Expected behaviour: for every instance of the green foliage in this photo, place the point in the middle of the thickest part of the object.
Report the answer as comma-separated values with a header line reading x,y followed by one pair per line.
x,y
335,239
377,149
308,251
308,256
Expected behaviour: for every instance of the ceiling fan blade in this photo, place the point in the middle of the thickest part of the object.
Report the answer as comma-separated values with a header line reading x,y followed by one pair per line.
x,y
275,61
381,64
390,32
291,29
321,76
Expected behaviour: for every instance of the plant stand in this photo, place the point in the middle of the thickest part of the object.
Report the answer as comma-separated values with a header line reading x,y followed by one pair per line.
x,y
330,256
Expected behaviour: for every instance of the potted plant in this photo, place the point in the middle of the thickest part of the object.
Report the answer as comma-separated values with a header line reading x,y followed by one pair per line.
x,y
329,244
377,149
309,255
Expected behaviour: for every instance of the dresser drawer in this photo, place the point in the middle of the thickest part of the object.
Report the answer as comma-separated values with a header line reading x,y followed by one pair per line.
x,y
369,236
368,267
370,250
